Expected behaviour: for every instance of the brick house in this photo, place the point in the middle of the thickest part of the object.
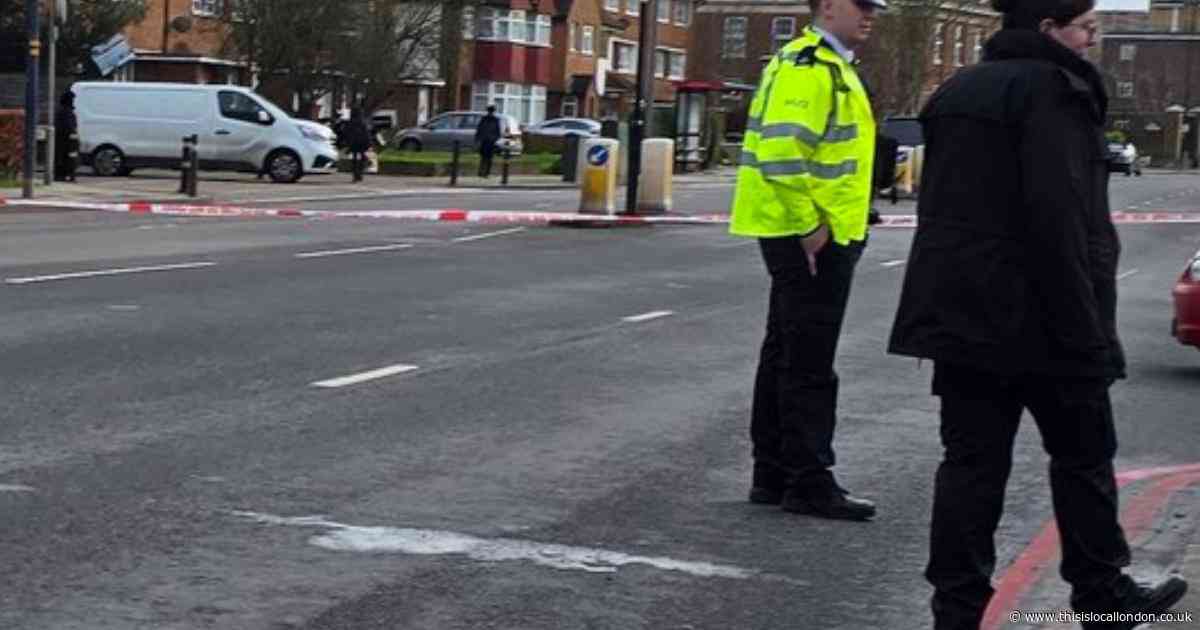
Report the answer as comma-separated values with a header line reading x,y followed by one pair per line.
x,y
621,30
182,40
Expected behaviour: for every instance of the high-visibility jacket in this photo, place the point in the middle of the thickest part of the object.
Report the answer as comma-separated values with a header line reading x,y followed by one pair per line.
x,y
809,148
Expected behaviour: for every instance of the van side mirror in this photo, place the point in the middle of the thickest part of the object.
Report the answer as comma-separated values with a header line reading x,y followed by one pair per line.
x,y
265,118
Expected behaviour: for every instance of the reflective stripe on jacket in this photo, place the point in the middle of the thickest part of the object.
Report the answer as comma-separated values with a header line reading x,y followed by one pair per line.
x,y
809,148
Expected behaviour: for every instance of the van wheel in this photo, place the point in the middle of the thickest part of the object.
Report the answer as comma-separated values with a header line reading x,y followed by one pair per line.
x,y
410,145
108,161
284,166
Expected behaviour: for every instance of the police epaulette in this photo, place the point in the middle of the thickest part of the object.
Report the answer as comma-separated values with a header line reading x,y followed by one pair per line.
x,y
806,56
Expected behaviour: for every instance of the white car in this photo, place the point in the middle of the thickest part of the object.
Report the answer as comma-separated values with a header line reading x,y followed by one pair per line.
x,y
582,127
128,125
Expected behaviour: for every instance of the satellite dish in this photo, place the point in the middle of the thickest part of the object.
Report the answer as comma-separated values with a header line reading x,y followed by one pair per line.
x,y
181,24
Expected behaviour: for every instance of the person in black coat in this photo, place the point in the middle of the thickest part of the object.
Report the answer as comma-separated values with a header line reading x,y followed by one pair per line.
x,y
357,137
1010,289
487,134
66,138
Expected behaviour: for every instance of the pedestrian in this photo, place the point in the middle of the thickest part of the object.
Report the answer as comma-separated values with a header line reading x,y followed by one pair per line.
x,y
358,141
1011,291
66,138
487,134
804,190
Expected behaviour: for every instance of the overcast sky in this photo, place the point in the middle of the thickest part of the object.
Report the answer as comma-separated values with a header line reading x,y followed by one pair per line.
x,y
1123,5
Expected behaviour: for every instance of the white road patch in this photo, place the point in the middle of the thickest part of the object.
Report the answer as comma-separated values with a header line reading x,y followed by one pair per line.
x,y
647,316
354,250
107,272
893,263
362,377
15,487
124,308
476,237
428,542
1126,274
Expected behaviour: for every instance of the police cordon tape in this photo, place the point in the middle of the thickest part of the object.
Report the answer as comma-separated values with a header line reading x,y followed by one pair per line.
x,y
492,216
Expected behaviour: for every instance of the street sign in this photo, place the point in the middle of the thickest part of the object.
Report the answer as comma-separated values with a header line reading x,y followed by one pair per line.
x,y
111,55
597,156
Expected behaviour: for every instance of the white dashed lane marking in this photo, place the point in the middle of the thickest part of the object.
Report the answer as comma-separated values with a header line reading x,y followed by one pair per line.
x,y
647,316
355,250
476,237
107,272
362,377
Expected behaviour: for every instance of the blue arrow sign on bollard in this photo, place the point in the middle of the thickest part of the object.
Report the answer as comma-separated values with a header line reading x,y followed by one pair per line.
x,y
597,156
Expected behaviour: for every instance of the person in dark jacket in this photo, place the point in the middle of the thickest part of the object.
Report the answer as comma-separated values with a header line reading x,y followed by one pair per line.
x,y
487,134
358,142
1011,291
66,138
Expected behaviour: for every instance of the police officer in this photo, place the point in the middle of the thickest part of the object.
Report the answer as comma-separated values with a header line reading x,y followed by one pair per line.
x,y
804,190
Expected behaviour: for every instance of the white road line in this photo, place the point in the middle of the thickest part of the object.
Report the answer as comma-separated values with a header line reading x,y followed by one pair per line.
x,y
123,307
107,272
892,263
362,377
476,237
355,250
1127,274
15,487
647,316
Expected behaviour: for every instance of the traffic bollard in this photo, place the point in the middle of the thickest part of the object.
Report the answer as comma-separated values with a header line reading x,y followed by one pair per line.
x,y
454,164
504,168
185,165
194,167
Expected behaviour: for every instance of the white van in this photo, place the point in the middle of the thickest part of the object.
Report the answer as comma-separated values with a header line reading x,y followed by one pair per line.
x,y
123,126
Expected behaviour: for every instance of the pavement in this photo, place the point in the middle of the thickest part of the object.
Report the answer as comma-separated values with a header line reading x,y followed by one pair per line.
x,y
162,186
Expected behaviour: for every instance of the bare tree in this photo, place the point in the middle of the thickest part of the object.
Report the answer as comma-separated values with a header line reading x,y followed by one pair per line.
x,y
89,23
389,43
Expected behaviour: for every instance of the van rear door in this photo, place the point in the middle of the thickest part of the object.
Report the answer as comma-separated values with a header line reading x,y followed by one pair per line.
x,y
241,132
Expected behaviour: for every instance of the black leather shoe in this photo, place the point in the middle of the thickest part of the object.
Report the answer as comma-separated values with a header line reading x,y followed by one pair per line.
x,y
766,496
1132,598
839,505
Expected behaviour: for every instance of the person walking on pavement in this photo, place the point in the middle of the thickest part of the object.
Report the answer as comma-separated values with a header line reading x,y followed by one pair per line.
x,y
487,134
66,138
358,141
1011,291
804,190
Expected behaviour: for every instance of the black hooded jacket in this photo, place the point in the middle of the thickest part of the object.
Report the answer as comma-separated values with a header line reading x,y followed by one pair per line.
x,y
1013,264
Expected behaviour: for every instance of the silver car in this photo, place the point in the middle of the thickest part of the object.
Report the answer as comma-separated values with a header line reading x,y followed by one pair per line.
x,y
442,131
582,127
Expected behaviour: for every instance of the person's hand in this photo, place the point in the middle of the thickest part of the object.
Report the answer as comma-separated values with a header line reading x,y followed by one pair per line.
x,y
813,244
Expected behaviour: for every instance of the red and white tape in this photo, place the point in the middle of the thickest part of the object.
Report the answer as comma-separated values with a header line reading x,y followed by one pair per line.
x,y
492,216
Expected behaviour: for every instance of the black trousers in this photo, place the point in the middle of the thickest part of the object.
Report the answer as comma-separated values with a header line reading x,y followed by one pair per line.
x,y
358,164
795,391
980,413
487,151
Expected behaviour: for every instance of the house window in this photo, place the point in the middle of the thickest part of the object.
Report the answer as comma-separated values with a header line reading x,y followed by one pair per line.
x,y
514,26
572,33
624,58
589,41
468,22
612,5
678,63
661,58
664,11
733,38
631,6
1128,52
206,7
958,46
1124,89
526,103
783,30
938,42
683,12
977,49
570,107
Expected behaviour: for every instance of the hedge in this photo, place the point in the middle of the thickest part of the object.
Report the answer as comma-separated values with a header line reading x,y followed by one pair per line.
x,y
12,140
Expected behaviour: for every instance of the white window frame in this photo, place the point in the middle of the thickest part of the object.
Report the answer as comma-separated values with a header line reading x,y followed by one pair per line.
x,y
589,40
779,40
681,56
206,8
683,12
728,52
569,107
571,31
526,103
977,49
516,26
958,46
1128,52
469,24
664,11
615,58
938,43
1124,89
612,5
633,7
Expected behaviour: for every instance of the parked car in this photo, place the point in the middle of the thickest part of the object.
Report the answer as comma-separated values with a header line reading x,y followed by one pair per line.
x,y
582,127
1123,158
128,125
1185,326
905,130
441,132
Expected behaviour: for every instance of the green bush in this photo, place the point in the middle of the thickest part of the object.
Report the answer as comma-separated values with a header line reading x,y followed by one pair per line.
x,y
1116,135
12,140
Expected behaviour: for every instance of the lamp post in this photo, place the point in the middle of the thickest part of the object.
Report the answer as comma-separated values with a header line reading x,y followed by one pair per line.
x,y
31,96
645,89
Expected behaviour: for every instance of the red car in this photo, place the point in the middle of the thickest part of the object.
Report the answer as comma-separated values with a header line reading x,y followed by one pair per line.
x,y
1186,325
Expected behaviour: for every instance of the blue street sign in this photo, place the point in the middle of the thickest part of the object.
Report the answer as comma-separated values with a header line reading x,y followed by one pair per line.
x,y
597,156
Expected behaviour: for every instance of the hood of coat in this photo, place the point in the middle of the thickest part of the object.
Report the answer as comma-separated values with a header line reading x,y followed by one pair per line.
x,y
1011,43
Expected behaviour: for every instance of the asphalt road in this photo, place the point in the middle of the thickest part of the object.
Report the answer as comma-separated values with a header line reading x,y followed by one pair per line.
x,y
484,427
